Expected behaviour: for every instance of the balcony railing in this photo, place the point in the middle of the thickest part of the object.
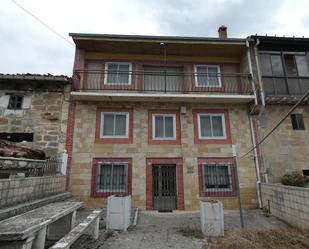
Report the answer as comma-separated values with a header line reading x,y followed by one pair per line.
x,y
285,86
162,82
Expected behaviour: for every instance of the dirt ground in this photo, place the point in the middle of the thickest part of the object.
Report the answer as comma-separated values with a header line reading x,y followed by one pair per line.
x,y
256,239
182,231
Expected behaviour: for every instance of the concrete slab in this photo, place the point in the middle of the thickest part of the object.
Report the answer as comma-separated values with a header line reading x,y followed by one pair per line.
x,y
22,226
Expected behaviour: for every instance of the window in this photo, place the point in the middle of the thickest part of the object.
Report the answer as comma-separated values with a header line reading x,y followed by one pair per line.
x,y
15,102
17,137
297,122
207,76
164,126
217,177
118,74
112,177
114,125
295,64
211,126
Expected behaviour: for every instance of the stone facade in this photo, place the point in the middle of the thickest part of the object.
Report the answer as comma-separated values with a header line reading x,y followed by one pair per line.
x,y
85,149
288,203
19,190
44,113
287,150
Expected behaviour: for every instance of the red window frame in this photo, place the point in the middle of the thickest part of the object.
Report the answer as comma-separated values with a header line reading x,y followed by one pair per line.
x,y
128,140
95,162
204,193
177,140
197,140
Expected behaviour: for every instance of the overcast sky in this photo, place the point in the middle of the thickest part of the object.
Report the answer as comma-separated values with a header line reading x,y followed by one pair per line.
x,y
28,46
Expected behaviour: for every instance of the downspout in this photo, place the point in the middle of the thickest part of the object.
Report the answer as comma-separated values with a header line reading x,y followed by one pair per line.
x,y
262,106
251,74
256,161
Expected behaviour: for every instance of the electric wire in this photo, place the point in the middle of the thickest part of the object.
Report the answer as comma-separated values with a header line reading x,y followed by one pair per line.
x,y
43,23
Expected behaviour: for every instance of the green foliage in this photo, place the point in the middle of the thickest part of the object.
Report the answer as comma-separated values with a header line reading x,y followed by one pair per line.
x,y
294,179
265,211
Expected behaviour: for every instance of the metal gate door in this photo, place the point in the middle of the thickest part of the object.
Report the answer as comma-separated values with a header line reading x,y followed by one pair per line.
x,y
164,187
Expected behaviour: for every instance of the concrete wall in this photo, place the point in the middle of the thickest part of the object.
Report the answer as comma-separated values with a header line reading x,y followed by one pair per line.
x,y
85,149
286,150
288,203
19,190
44,113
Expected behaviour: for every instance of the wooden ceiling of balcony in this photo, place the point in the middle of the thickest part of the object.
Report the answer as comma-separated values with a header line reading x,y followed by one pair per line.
x,y
179,48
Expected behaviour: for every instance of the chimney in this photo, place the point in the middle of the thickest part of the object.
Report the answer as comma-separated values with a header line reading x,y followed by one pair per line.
x,y
222,32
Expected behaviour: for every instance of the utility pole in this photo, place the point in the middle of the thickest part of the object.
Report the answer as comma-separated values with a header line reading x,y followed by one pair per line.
x,y
238,188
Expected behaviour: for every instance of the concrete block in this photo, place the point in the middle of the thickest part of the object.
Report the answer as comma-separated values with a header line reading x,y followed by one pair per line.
x,y
118,214
212,218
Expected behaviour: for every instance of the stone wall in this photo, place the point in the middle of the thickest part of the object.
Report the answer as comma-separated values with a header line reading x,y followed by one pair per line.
x,y
85,149
18,190
288,203
44,113
286,150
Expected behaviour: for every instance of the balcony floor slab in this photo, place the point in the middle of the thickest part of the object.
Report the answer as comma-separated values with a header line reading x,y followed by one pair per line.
x,y
162,97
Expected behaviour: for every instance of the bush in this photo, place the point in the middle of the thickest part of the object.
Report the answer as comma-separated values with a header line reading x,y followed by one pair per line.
x,y
294,179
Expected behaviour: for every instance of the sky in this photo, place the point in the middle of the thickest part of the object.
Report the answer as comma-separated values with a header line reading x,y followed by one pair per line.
x,y
27,46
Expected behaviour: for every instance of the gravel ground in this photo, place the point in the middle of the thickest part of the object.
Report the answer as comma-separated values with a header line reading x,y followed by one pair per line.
x,y
162,230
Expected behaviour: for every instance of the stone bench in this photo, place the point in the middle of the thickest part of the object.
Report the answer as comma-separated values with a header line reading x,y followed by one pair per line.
x,y
29,230
91,222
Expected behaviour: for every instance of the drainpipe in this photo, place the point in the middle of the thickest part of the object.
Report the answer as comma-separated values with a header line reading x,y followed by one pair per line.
x,y
263,103
251,74
256,161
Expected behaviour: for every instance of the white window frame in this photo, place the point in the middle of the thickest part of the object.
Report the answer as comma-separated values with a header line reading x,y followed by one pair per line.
x,y
154,125
230,189
199,115
206,66
115,83
99,190
114,113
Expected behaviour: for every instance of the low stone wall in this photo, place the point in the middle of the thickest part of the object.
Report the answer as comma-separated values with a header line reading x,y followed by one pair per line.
x,y
288,203
18,190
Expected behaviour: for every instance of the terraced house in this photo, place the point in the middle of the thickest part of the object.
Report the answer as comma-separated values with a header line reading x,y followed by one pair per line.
x,y
156,117
282,73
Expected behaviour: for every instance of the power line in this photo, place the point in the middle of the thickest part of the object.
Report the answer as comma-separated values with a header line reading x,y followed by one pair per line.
x,y
279,123
44,24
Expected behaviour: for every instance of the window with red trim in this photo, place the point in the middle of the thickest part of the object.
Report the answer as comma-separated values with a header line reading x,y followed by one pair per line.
x,y
211,126
111,176
163,127
114,125
216,177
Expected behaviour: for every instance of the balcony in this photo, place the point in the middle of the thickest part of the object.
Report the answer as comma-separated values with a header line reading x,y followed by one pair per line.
x,y
162,85
284,89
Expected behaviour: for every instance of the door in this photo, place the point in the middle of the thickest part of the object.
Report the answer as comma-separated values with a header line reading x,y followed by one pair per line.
x,y
163,79
164,187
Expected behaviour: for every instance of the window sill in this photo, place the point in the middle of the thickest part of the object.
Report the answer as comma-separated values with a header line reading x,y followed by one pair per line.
x,y
107,194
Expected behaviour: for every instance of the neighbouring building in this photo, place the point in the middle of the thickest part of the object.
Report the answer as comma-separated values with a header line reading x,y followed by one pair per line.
x,y
34,111
281,68
156,117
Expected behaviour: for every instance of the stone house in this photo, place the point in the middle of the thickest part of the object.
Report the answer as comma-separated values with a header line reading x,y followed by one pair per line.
x,y
156,117
34,111
281,69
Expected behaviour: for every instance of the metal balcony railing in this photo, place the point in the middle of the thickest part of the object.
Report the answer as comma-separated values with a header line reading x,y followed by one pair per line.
x,y
162,82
